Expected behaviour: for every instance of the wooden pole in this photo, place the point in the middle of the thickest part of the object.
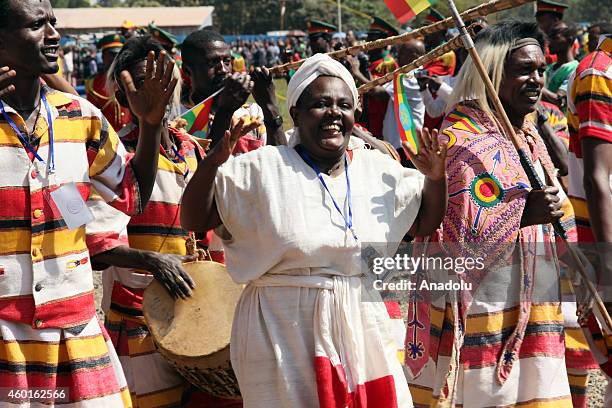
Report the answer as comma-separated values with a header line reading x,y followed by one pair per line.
x,y
478,11
451,45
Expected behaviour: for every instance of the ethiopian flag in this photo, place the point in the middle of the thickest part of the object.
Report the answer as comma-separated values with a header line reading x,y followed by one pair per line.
x,y
405,10
198,118
403,114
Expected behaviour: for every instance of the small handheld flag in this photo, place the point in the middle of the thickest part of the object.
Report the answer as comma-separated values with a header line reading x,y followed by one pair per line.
x,y
198,117
403,114
405,10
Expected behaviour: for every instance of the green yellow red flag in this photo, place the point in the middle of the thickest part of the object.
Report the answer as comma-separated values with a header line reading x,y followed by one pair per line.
x,y
198,117
405,10
403,114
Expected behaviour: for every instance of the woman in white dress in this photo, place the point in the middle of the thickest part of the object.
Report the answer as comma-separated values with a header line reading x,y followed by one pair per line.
x,y
294,221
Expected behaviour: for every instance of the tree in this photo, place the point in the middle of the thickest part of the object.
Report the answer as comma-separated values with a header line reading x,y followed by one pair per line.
x,y
70,3
259,16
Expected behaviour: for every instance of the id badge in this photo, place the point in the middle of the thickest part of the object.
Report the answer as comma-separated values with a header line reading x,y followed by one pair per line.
x,y
71,206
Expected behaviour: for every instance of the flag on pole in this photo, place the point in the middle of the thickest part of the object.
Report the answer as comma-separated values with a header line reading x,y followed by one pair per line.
x,y
405,10
403,114
198,117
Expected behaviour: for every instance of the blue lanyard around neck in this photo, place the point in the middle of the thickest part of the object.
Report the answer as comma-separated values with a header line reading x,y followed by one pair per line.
x,y
182,158
27,144
348,222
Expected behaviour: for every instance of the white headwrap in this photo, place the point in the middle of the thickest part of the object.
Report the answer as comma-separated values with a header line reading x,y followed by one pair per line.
x,y
314,67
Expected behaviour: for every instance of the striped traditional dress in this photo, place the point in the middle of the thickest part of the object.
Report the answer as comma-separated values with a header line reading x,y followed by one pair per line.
x,y
49,334
509,348
589,106
578,358
152,381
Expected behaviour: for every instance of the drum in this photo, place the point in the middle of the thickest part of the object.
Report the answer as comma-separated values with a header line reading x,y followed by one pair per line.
x,y
194,334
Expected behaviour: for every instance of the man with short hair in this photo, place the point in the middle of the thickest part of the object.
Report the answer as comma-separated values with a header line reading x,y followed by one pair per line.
x,y
55,148
320,36
595,31
548,13
380,62
207,64
562,38
590,172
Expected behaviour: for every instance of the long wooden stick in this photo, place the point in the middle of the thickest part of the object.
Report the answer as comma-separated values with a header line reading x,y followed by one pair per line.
x,y
479,11
534,179
452,45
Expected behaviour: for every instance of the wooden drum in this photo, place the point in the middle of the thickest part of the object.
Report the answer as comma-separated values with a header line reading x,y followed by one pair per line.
x,y
194,334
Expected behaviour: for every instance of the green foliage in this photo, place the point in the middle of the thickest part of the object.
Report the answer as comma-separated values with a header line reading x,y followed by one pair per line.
x,y
259,16
70,3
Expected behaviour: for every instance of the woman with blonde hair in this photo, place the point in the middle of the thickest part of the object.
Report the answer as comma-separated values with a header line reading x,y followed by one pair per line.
x,y
500,343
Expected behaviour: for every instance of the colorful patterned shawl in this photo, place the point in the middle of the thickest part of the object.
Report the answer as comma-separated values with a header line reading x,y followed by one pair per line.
x,y
487,190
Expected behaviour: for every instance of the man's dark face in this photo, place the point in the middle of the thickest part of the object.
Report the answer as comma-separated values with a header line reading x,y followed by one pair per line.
x,y
410,51
373,36
138,72
108,56
594,33
30,43
209,69
523,81
559,43
433,40
319,44
546,21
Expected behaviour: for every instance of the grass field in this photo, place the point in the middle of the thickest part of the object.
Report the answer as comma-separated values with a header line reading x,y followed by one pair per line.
x,y
281,99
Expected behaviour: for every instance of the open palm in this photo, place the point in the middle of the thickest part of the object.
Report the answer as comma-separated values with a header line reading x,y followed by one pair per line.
x,y
149,101
6,87
431,157
239,128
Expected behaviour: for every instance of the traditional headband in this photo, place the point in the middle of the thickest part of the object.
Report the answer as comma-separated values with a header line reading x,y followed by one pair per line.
x,y
524,42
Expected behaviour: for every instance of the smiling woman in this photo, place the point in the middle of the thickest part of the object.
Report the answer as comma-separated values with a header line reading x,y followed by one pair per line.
x,y
302,335
500,351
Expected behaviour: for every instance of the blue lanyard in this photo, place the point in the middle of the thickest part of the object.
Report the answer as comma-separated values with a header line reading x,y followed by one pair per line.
x,y
25,143
347,222
182,159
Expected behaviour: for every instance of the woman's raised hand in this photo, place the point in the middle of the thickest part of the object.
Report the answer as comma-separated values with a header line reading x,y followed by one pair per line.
x,y
239,128
431,157
150,100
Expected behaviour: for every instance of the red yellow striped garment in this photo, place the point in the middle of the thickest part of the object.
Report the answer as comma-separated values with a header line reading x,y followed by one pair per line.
x,y
46,282
151,380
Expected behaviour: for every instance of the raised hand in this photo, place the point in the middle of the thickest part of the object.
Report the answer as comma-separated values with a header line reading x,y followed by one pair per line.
x,y
431,158
223,150
238,87
5,76
150,100
264,91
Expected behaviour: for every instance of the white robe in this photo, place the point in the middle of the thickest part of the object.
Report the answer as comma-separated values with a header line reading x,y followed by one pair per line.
x,y
282,222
